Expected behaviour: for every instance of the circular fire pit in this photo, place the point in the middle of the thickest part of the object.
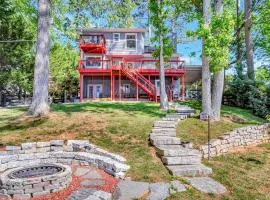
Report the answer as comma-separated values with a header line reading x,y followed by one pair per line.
x,y
35,180
36,171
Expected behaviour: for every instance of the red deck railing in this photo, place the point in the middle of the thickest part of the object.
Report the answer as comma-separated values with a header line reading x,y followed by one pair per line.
x,y
143,66
93,43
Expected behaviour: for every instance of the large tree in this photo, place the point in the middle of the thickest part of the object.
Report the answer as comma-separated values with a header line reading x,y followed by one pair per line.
x,y
159,17
206,75
40,104
248,39
218,77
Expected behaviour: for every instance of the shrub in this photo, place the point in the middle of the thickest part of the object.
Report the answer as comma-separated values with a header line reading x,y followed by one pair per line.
x,y
246,93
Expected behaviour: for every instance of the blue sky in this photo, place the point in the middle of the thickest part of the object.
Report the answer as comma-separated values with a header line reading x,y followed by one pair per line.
x,y
185,49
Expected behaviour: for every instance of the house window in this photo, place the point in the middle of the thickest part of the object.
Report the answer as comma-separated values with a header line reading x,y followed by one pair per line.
x,y
116,37
126,88
93,62
130,65
131,41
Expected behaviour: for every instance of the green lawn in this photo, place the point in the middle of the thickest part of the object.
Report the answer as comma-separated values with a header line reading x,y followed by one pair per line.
x,y
124,127
119,127
246,176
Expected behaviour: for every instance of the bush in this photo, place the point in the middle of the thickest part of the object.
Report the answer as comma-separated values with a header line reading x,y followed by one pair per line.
x,y
246,93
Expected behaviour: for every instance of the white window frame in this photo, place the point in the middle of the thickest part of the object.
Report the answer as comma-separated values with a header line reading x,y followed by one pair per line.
x,y
94,90
118,37
135,49
93,56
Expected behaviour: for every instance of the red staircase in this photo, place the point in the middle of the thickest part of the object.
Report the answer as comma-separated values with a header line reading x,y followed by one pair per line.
x,y
142,82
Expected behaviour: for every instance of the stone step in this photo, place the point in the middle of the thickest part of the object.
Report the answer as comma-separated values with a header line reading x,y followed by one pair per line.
x,y
189,170
163,130
170,134
163,140
165,124
171,119
176,150
207,185
176,116
186,111
181,160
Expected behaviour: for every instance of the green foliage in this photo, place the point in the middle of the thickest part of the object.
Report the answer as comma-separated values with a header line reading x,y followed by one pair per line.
x,y
159,18
262,75
263,27
63,70
245,93
218,37
17,22
74,14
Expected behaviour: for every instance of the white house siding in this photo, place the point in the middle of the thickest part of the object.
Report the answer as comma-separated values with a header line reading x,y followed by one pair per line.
x,y
119,48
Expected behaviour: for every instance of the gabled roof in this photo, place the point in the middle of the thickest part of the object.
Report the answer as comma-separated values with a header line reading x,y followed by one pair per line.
x,y
111,30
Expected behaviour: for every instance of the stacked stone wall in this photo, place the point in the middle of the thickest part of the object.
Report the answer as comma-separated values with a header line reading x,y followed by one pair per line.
x,y
241,137
56,151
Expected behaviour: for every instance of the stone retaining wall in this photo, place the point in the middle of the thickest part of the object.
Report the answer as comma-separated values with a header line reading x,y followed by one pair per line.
x,y
240,137
56,151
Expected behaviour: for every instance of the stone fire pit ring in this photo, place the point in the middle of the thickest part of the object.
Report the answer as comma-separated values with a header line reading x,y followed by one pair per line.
x,y
35,180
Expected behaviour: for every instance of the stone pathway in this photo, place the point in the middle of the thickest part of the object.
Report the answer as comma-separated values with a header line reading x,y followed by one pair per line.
x,y
129,190
126,190
93,185
207,185
180,158
90,194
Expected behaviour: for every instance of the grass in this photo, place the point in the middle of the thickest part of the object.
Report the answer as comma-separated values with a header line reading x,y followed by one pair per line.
x,y
196,131
123,128
118,127
245,175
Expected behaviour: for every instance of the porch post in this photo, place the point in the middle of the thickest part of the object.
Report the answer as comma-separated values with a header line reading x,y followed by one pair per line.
x,y
172,88
183,86
111,87
137,89
120,96
93,87
81,88
113,78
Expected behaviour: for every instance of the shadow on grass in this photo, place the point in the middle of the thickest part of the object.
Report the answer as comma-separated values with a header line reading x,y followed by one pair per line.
x,y
192,103
21,123
150,109
246,114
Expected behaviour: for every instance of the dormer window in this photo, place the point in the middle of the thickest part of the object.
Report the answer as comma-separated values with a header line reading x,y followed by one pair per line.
x,y
116,37
131,41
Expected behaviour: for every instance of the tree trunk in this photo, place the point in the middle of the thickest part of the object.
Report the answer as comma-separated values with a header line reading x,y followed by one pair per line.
x,y
206,75
239,68
163,96
217,92
39,105
218,78
174,35
248,39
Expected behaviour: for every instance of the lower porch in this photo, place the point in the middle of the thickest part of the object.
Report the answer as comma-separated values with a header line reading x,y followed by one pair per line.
x,y
119,87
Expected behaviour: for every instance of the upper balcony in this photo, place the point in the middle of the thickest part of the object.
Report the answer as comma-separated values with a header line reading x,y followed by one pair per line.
x,y
145,67
93,43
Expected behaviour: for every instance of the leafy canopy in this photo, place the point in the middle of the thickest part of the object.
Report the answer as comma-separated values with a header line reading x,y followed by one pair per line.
x,y
159,19
218,37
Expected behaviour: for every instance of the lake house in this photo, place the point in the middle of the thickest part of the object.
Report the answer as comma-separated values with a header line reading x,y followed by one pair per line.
x,y
116,64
